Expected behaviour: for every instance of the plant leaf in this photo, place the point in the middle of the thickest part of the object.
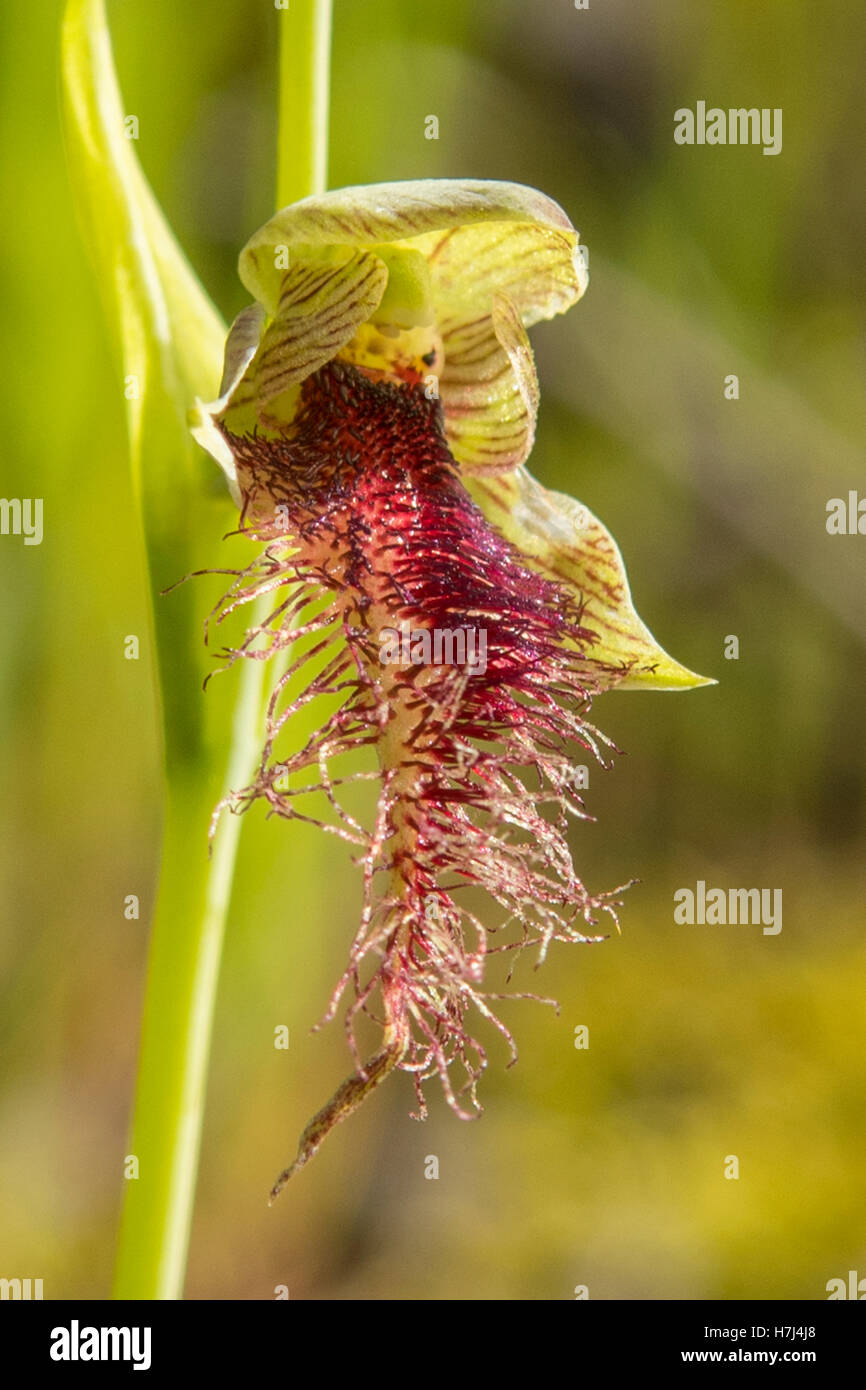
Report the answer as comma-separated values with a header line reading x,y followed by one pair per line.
x,y
169,339
170,336
567,543
149,282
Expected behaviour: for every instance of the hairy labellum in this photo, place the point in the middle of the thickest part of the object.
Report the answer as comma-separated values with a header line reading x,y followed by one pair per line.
x,y
368,530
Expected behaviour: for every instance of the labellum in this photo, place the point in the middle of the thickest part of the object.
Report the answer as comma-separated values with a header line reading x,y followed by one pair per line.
x,y
378,406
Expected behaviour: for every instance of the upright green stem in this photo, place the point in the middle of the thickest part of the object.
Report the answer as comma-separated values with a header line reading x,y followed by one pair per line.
x,y
194,893
305,66
183,972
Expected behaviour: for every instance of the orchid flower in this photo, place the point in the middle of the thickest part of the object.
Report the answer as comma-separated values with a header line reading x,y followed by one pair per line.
x,y
377,408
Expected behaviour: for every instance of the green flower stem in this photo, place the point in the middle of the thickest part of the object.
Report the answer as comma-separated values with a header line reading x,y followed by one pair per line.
x,y
183,972
194,892
305,68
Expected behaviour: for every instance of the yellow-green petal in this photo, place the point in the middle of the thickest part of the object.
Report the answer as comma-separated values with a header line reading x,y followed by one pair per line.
x,y
320,308
241,346
564,541
478,236
489,389
318,303
540,267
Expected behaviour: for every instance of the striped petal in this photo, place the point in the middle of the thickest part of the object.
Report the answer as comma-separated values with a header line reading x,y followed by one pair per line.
x,y
320,308
321,302
565,542
541,268
489,389
240,348
479,237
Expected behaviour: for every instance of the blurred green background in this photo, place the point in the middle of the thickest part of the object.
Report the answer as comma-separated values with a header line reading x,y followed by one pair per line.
x,y
602,1167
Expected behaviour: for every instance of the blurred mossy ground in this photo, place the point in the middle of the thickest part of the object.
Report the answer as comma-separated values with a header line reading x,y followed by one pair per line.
x,y
602,1167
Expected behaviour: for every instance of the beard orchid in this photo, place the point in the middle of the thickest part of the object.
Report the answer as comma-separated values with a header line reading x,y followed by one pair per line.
x,y
377,409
